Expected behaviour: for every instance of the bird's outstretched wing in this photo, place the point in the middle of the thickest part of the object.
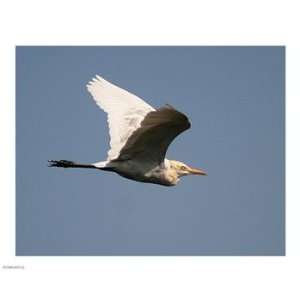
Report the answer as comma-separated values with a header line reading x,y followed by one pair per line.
x,y
125,112
156,132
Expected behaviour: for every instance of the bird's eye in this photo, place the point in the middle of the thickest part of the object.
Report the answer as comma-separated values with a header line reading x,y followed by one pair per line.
x,y
183,168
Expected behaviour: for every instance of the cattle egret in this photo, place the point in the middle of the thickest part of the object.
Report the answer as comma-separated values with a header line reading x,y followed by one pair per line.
x,y
139,137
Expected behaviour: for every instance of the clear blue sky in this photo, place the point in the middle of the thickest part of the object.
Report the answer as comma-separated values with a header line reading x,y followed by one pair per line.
x,y
234,97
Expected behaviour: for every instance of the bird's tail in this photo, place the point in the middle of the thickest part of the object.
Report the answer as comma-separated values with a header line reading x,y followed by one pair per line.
x,y
69,164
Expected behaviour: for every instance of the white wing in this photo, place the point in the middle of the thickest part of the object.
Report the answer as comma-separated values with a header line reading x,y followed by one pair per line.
x,y
125,112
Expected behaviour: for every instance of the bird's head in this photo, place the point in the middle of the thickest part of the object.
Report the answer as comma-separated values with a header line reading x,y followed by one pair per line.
x,y
183,169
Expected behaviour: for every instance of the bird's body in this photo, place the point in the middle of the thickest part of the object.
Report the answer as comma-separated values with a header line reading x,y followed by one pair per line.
x,y
161,174
140,136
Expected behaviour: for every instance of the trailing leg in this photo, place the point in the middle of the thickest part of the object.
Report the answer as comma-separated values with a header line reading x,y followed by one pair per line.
x,y
69,164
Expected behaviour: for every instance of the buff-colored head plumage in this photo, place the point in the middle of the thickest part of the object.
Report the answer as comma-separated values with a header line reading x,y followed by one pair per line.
x,y
183,169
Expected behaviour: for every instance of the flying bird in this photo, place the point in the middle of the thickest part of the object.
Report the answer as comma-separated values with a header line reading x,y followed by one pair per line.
x,y
139,137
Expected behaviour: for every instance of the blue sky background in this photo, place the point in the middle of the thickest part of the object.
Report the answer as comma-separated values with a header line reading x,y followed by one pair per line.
x,y
234,97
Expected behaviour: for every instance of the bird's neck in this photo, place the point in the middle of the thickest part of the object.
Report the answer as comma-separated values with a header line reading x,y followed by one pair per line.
x,y
171,176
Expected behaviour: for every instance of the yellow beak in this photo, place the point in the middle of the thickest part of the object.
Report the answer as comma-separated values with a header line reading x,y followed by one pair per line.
x,y
197,171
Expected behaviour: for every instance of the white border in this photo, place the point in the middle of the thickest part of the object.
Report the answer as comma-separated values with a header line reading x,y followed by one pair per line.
x,y
143,23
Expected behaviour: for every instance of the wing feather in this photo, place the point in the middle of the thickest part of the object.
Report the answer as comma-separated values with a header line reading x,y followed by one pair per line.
x,y
156,132
125,112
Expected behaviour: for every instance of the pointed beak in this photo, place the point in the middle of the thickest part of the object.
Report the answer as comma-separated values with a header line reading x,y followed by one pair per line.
x,y
196,171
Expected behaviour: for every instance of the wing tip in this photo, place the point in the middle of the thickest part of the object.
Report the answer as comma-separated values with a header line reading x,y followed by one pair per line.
x,y
183,117
96,79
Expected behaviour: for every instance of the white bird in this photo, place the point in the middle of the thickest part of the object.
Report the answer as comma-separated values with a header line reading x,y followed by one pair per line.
x,y
139,137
